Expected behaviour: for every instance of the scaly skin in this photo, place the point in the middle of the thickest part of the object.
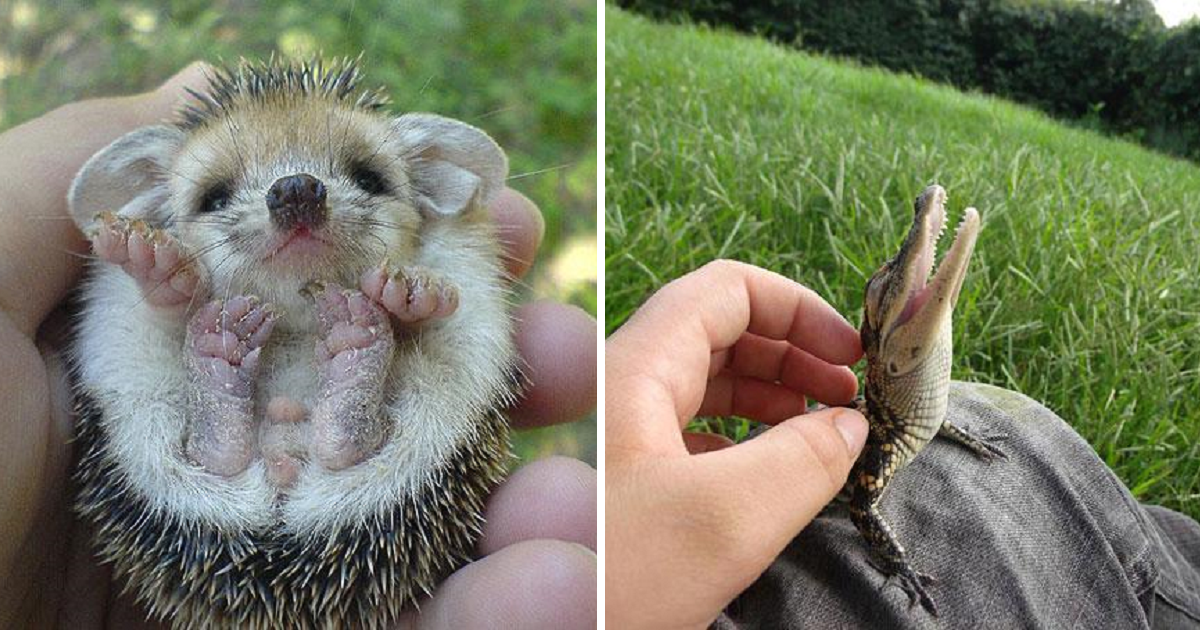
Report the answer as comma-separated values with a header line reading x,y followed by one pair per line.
x,y
906,335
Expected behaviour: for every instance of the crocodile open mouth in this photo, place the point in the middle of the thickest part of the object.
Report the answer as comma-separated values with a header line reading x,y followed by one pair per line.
x,y
946,283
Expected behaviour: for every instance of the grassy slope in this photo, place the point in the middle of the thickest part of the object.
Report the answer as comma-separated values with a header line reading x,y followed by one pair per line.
x,y
1084,291
525,71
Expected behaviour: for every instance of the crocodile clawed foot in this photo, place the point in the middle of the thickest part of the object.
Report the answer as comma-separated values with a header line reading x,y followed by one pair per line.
x,y
913,584
993,452
981,448
986,449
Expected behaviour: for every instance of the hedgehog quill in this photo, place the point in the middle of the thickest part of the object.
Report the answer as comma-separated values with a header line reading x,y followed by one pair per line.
x,y
293,352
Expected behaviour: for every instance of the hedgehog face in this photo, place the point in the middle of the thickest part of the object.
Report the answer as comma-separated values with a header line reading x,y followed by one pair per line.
x,y
281,193
281,174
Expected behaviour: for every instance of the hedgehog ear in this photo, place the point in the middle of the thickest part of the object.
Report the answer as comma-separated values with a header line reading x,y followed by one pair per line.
x,y
452,165
126,177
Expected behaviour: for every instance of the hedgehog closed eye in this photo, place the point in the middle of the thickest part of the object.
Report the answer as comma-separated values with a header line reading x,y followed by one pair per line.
x,y
215,200
369,180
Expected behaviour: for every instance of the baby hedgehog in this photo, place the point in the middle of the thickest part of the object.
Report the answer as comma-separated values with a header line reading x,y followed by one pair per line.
x,y
293,354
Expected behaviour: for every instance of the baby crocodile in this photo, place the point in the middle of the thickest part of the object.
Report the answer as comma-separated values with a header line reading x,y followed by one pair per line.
x,y
907,341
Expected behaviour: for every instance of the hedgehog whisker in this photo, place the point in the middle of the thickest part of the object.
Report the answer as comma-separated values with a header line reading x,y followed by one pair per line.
x,y
541,171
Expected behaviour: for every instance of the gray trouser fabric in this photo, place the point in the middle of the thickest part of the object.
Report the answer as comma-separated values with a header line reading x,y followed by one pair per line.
x,y
1047,538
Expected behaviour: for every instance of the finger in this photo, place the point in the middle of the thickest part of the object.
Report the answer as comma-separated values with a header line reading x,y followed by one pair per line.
x,y
123,612
35,461
718,360
558,344
552,498
780,480
41,158
665,349
738,298
533,584
160,103
770,360
705,442
732,395
520,226
86,593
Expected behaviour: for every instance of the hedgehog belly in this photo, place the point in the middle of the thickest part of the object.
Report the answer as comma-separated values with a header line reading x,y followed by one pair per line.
x,y
201,576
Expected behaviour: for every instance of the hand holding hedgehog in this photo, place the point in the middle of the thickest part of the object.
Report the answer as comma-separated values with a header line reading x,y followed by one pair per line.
x,y
37,462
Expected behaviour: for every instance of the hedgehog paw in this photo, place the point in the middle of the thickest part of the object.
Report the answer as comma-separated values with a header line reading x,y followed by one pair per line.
x,y
150,256
411,294
353,355
223,345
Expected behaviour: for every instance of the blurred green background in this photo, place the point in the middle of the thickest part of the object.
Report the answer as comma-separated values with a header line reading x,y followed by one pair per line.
x,y
1082,290
525,71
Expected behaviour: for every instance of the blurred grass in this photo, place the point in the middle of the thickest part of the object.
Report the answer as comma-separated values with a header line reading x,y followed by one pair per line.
x,y
525,71
1084,290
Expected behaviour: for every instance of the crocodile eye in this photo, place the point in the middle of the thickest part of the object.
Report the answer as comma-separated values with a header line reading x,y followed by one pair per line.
x,y
215,199
368,179
871,301
873,289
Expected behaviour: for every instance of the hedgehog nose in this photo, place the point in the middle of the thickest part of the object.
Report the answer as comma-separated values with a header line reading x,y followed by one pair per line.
x,y
297,201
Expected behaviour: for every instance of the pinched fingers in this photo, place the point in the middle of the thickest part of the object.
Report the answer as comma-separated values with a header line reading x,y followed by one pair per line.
x,y
773,361
666,349
768,381
762,401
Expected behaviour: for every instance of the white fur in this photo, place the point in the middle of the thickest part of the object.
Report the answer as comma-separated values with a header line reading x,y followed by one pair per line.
x,y
442,385
130,358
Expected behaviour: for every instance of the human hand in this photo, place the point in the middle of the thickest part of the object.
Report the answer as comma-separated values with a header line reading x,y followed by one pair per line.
x,y
690,519
537,566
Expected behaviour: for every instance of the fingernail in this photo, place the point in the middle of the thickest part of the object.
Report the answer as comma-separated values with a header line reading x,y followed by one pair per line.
x,y
853,427
540,222
194,76
163,100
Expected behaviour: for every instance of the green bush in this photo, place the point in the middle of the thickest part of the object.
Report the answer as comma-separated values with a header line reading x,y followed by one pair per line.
x,y
1110,65
1071,60
926,37
1171,120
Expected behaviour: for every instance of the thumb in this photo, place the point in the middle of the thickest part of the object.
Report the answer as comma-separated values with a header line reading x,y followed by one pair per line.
x,y
785,476
39,159
160,103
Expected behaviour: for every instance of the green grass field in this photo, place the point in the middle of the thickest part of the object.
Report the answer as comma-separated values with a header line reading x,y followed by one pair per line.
x,y
1084,291
525,71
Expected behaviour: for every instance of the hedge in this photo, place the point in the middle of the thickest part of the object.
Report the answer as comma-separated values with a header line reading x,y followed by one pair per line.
x,y
1109,65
